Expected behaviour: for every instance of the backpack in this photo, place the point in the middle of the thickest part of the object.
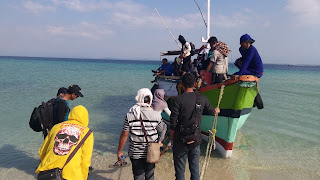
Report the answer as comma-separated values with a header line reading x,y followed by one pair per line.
x,y
42,117
193,49
189,131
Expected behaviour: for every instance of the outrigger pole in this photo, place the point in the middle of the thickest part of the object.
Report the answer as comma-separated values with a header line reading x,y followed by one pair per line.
x,y
208,24
167,28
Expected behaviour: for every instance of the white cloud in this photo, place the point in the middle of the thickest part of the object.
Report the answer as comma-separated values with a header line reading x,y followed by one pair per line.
x,y
230,21
82,6
83,29
37,8
306,11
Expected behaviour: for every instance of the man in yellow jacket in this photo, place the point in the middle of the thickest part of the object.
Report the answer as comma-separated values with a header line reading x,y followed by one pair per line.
x,y
62,140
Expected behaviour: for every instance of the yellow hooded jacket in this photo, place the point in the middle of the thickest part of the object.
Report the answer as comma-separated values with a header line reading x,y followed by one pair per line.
x,y
61,141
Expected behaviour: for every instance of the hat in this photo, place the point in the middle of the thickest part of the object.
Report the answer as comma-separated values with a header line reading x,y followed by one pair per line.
x,y
62,90
75,89
212,40
245,38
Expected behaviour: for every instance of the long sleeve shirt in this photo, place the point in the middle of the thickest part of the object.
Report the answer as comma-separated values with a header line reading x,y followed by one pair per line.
x,y
251,62
183,106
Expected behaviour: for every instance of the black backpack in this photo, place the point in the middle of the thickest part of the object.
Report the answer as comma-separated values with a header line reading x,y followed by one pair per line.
x,y
189,131
193,49
42,117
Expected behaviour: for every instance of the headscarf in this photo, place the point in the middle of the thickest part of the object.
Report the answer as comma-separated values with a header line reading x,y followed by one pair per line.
x,y
222,48
159,104
182,40
141,94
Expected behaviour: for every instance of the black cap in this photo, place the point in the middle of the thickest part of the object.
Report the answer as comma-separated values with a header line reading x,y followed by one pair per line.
x,y
62,90
75,89
212,40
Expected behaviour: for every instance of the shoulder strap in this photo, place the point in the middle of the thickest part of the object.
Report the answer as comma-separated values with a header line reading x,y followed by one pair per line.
x,y
77,147
143,129
197,108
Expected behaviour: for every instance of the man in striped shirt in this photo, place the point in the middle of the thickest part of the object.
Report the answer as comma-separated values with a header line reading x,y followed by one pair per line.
x,y
137,143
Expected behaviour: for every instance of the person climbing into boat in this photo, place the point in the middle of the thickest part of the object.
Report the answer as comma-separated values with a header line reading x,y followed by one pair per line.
x,y
204,61
62,141
219,60
176,66
185,54
251,63
140,113
194,68
159,104
185,130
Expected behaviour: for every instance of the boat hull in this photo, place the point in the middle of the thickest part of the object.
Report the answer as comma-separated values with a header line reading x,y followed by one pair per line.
x,y
235,107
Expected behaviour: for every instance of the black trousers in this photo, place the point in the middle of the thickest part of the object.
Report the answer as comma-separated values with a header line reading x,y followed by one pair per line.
x,y
142,170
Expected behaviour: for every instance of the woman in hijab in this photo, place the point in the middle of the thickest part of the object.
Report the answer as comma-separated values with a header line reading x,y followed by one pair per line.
x,y
159,104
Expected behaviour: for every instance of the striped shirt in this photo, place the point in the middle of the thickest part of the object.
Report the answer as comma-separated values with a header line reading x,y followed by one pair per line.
x,y
137,141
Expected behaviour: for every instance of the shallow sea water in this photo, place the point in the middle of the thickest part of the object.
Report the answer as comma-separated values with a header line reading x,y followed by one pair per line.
x,y
282,141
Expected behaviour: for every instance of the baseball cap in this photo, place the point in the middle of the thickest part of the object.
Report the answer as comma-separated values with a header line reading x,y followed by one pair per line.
x,y
62,90
75,89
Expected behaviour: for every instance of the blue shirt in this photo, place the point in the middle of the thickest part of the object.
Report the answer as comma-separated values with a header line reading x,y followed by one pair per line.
x,y
251,62
168,69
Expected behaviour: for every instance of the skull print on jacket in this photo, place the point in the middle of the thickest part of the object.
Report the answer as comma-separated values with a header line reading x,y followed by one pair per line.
x,y
65,139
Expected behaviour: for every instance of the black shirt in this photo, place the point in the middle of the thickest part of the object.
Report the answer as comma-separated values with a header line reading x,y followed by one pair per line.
x,y
183,106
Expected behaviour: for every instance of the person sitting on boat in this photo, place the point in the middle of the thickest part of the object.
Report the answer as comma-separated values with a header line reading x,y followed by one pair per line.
x,y
185,54
159,104
165,68
219,60
176,66
251,60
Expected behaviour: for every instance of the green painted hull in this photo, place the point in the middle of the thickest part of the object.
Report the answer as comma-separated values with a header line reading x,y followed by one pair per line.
x,y
235,107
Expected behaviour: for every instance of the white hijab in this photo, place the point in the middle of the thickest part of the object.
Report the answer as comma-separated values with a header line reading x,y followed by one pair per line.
x,y
141,94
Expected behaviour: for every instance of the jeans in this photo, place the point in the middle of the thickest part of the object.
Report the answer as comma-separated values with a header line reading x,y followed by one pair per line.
x,y
180,155
142,170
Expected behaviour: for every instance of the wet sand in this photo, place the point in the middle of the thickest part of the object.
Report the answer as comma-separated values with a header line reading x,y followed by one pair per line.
x,y
243,165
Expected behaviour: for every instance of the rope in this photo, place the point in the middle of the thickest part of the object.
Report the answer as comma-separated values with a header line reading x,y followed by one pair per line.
x,y
212,141
201,13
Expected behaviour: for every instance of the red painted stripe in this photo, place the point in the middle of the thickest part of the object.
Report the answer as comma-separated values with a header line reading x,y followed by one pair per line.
x,y
225,144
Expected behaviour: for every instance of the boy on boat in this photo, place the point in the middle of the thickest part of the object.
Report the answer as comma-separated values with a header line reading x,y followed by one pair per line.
x,y
218,60
251,63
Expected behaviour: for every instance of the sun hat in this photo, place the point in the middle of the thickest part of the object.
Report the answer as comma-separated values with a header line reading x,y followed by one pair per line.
x,y
245,38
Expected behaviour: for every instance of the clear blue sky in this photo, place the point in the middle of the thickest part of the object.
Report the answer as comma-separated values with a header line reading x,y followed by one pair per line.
x,y
286,31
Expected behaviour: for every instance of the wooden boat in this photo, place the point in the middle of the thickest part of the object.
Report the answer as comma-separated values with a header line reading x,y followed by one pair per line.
x,y
235,107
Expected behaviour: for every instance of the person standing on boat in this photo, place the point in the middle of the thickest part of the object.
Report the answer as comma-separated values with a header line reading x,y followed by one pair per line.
x,y
219,60
251,63
140,113
185,55
182,113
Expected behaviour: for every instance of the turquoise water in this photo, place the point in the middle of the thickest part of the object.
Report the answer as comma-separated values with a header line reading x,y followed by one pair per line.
x,y
282,140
